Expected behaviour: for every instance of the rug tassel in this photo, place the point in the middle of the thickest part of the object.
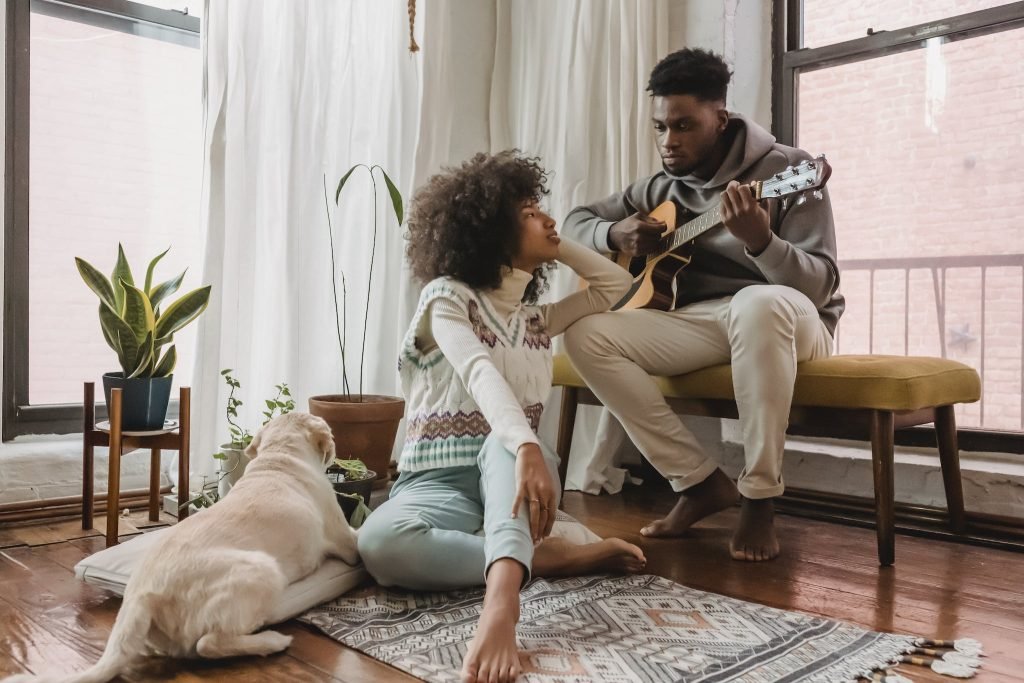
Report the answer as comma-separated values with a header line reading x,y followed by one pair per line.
x,y
967,646
941,666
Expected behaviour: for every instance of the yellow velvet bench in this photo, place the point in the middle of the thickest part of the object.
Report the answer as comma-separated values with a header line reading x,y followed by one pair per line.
x,y
847,397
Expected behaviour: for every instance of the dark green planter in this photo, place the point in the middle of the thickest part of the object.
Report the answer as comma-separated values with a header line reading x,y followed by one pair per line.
x,y
143,400
363,487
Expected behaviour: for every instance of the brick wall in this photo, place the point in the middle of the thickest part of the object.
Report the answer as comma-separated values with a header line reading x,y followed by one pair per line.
x,y
116,144
926,147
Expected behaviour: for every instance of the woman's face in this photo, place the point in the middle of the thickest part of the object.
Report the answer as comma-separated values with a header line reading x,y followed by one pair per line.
x,y
538,241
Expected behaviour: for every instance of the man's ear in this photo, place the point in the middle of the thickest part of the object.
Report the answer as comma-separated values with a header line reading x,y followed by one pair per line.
x,y
723,119
253,448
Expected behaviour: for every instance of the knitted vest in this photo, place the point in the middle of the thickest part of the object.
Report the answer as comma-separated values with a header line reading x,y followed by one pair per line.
x,y
444,425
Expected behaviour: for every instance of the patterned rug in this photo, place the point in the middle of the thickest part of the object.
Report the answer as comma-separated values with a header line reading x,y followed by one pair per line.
x,y
634,629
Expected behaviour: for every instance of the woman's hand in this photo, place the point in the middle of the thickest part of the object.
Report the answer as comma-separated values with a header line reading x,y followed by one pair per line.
x,y
535,488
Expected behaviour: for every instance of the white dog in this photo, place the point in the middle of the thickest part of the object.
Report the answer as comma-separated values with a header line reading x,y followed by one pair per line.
x,y
218,574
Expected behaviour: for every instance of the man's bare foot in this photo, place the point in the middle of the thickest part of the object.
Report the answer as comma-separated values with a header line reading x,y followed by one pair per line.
x,y
493,656
754,539
558,557
715,493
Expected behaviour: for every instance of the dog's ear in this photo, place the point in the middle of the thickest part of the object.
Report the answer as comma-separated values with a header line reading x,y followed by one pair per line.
x,y
253,448
324,440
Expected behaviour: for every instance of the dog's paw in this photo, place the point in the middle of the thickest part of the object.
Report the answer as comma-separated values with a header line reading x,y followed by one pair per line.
x,y
274,642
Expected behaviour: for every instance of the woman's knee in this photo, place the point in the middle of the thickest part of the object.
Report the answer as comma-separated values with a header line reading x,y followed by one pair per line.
x,y
385,546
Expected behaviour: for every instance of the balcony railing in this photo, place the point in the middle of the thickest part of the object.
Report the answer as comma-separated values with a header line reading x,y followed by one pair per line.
x,y
938,268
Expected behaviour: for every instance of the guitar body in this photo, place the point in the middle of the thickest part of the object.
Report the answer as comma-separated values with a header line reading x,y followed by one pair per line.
x,y
654,287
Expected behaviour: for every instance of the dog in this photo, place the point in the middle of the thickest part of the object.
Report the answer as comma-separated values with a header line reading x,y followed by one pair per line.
x,y
215,579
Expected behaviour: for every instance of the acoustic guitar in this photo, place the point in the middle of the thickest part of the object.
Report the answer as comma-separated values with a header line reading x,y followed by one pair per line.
x,y
654,284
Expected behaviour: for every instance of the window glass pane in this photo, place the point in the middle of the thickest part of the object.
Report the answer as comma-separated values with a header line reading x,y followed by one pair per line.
x,y
926,149
833,21
115,156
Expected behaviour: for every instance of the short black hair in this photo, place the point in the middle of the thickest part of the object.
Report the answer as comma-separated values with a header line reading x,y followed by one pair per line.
x,y
464,222
691,71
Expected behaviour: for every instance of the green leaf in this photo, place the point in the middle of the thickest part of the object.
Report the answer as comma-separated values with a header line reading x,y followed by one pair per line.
x,y
149,271
220,456
138,312
166,365
96,281
344,179
396,196
183,311
165,289
144,357
122,338
122,271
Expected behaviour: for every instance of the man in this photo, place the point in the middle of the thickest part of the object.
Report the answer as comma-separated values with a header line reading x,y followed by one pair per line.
x,y
760,292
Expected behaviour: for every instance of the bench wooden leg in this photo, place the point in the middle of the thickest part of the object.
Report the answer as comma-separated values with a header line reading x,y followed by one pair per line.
x,y
949,456
882,437
566,425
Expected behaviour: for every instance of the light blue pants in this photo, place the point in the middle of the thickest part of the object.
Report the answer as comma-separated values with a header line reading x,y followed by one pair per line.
x,y
425,536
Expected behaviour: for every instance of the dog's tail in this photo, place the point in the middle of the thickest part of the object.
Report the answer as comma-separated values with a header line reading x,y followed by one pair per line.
x,y
126,646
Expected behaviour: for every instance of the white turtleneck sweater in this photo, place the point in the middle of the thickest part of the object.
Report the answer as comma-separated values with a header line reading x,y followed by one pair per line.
x,y
452,332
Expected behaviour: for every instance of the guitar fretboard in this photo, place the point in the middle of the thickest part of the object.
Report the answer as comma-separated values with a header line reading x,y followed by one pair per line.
x,y
691,229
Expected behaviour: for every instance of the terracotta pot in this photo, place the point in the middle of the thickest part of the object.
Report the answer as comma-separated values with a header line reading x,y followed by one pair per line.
x,y
363,430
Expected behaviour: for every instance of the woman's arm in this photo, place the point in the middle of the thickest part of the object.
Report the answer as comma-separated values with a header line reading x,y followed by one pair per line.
x,y
607,284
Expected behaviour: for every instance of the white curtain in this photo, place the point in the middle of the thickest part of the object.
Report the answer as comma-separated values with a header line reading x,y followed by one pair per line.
x,y
569,86
294,91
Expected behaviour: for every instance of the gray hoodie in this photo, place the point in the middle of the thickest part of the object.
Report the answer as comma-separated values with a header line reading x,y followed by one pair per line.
x,y
801,254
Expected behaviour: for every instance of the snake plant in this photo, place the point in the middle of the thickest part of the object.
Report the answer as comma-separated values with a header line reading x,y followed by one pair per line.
x,y
135,321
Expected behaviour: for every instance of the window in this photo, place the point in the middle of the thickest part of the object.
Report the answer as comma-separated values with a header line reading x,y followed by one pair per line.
x,y
921,118
104,145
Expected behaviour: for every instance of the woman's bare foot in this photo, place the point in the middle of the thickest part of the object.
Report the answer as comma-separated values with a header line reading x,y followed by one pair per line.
x,y
712,495
558,557
493,656
754,539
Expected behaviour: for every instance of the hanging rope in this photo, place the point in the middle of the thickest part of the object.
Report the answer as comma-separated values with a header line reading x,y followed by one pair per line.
x,y
413,47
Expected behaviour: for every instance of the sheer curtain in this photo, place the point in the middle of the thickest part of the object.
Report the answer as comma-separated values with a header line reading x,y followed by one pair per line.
x,y
294,92
568,86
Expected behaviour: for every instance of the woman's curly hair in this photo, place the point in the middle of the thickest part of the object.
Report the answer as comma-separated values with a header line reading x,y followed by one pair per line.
x,y
464,223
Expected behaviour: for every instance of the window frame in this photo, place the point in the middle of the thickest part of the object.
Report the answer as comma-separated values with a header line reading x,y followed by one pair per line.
x,y
18,416
790,57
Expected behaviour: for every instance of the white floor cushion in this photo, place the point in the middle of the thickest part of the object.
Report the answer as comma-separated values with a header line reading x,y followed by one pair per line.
x,y
111,568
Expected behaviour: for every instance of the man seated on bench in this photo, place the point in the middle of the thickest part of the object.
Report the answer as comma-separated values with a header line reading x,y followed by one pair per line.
x,y
760,292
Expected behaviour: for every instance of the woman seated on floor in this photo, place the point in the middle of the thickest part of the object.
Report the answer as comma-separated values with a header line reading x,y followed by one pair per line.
x,y
476,368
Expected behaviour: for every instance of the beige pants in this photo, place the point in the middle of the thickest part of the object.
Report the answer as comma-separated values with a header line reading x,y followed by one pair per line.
x,y
763,330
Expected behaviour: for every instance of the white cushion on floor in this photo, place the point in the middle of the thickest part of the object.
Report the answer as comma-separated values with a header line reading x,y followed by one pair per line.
x,y
111,568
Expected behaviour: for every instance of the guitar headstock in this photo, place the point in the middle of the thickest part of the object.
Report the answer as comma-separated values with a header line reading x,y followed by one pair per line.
x,y
806,177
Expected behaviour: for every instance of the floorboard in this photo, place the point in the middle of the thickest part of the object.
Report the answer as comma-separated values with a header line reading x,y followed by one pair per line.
x,y
49,621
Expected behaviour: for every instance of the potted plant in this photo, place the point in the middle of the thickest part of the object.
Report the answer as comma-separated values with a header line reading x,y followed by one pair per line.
x,y
231,459
364,425
137,324
352,482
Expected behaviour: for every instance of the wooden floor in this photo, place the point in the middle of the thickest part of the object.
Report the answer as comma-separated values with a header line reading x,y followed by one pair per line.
x,y
51,622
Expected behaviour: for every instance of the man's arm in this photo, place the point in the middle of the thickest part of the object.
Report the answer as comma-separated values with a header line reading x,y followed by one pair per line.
x,y
615,223
802,254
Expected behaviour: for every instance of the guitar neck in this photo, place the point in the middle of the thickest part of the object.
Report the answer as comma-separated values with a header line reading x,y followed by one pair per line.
x,y
693,228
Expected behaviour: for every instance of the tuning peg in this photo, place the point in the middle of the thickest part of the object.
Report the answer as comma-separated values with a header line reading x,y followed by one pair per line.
x,y
817,194
778,176
801,200
809,181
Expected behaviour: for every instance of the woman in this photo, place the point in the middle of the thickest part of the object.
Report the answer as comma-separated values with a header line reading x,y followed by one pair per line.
x,y
476,367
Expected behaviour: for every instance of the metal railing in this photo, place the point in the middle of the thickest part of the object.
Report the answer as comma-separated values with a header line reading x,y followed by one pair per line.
x,y
938,266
